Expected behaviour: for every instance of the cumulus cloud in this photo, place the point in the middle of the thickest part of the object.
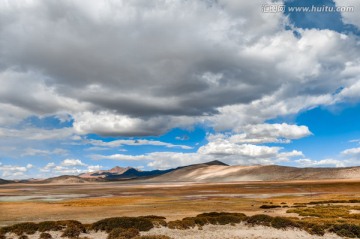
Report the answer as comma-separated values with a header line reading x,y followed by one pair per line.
x,y
137,142
138,68
219,147
14,171
352,153
69,167
36,133
263,133
322,163
350,17
141,68
72,162
33,152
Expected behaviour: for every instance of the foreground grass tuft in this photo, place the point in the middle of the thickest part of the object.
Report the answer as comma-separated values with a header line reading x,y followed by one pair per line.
x,y
215,218
108,224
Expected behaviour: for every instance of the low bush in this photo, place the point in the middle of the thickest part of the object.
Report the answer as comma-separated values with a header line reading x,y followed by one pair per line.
x,y
260,219
23,237
183,224
346,230
72,232
269,206
317,230
45,235
123,233
283,223
23,228
221,218
108,224
157,221
49,226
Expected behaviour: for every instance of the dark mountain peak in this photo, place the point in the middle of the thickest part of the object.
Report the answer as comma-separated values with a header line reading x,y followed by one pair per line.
x,y
216,162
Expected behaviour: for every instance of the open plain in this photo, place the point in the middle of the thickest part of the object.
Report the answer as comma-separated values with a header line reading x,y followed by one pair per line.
x,y
88,202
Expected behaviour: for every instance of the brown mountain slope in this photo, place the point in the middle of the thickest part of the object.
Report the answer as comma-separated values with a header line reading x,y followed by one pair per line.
x,y
217,173
68,179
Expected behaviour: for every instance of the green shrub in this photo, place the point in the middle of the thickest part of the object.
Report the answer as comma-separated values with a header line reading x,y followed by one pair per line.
x,y
283,223
157,221
183,224
260,219
123,233
317,230
45,235
49,226
214,218
153,217
269,206
71,232
108,224
346,230
23,228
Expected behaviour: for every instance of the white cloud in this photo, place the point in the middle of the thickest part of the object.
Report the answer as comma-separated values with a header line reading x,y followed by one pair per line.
x,y
138,142
36,133
72,162
236,66
13,171
263,133
321,163
33,152
221,148
352,153
94,168
350,17
69,167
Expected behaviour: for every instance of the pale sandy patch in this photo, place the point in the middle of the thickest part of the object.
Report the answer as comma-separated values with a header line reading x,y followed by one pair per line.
x,y
239,231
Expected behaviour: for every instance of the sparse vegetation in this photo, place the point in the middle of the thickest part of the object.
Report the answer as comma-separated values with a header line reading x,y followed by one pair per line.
x,y
260,219
49,226
23,237
121,233
45,235
72,232
334,201
269,206
21,228
221,218
283,223
108,224
346,230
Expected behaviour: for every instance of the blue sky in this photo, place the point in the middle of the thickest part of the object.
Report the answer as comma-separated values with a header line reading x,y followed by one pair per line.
x,y
154,85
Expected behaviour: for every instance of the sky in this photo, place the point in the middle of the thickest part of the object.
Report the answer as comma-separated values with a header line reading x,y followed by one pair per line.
x,y
89,85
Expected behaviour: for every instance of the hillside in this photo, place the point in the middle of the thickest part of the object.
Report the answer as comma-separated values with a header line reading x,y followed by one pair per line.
x,y
119,173
69,179
220,173
3,181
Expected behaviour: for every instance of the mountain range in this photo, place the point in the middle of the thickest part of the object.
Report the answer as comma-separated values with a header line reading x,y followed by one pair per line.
x,y
214,171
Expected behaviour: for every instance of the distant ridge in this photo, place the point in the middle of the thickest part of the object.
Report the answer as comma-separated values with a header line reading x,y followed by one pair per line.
x,y
3,181
120,173
213,171
69,179
216,162
221,173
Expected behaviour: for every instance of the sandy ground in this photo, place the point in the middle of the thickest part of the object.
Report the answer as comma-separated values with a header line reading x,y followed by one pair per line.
x,y
239,231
